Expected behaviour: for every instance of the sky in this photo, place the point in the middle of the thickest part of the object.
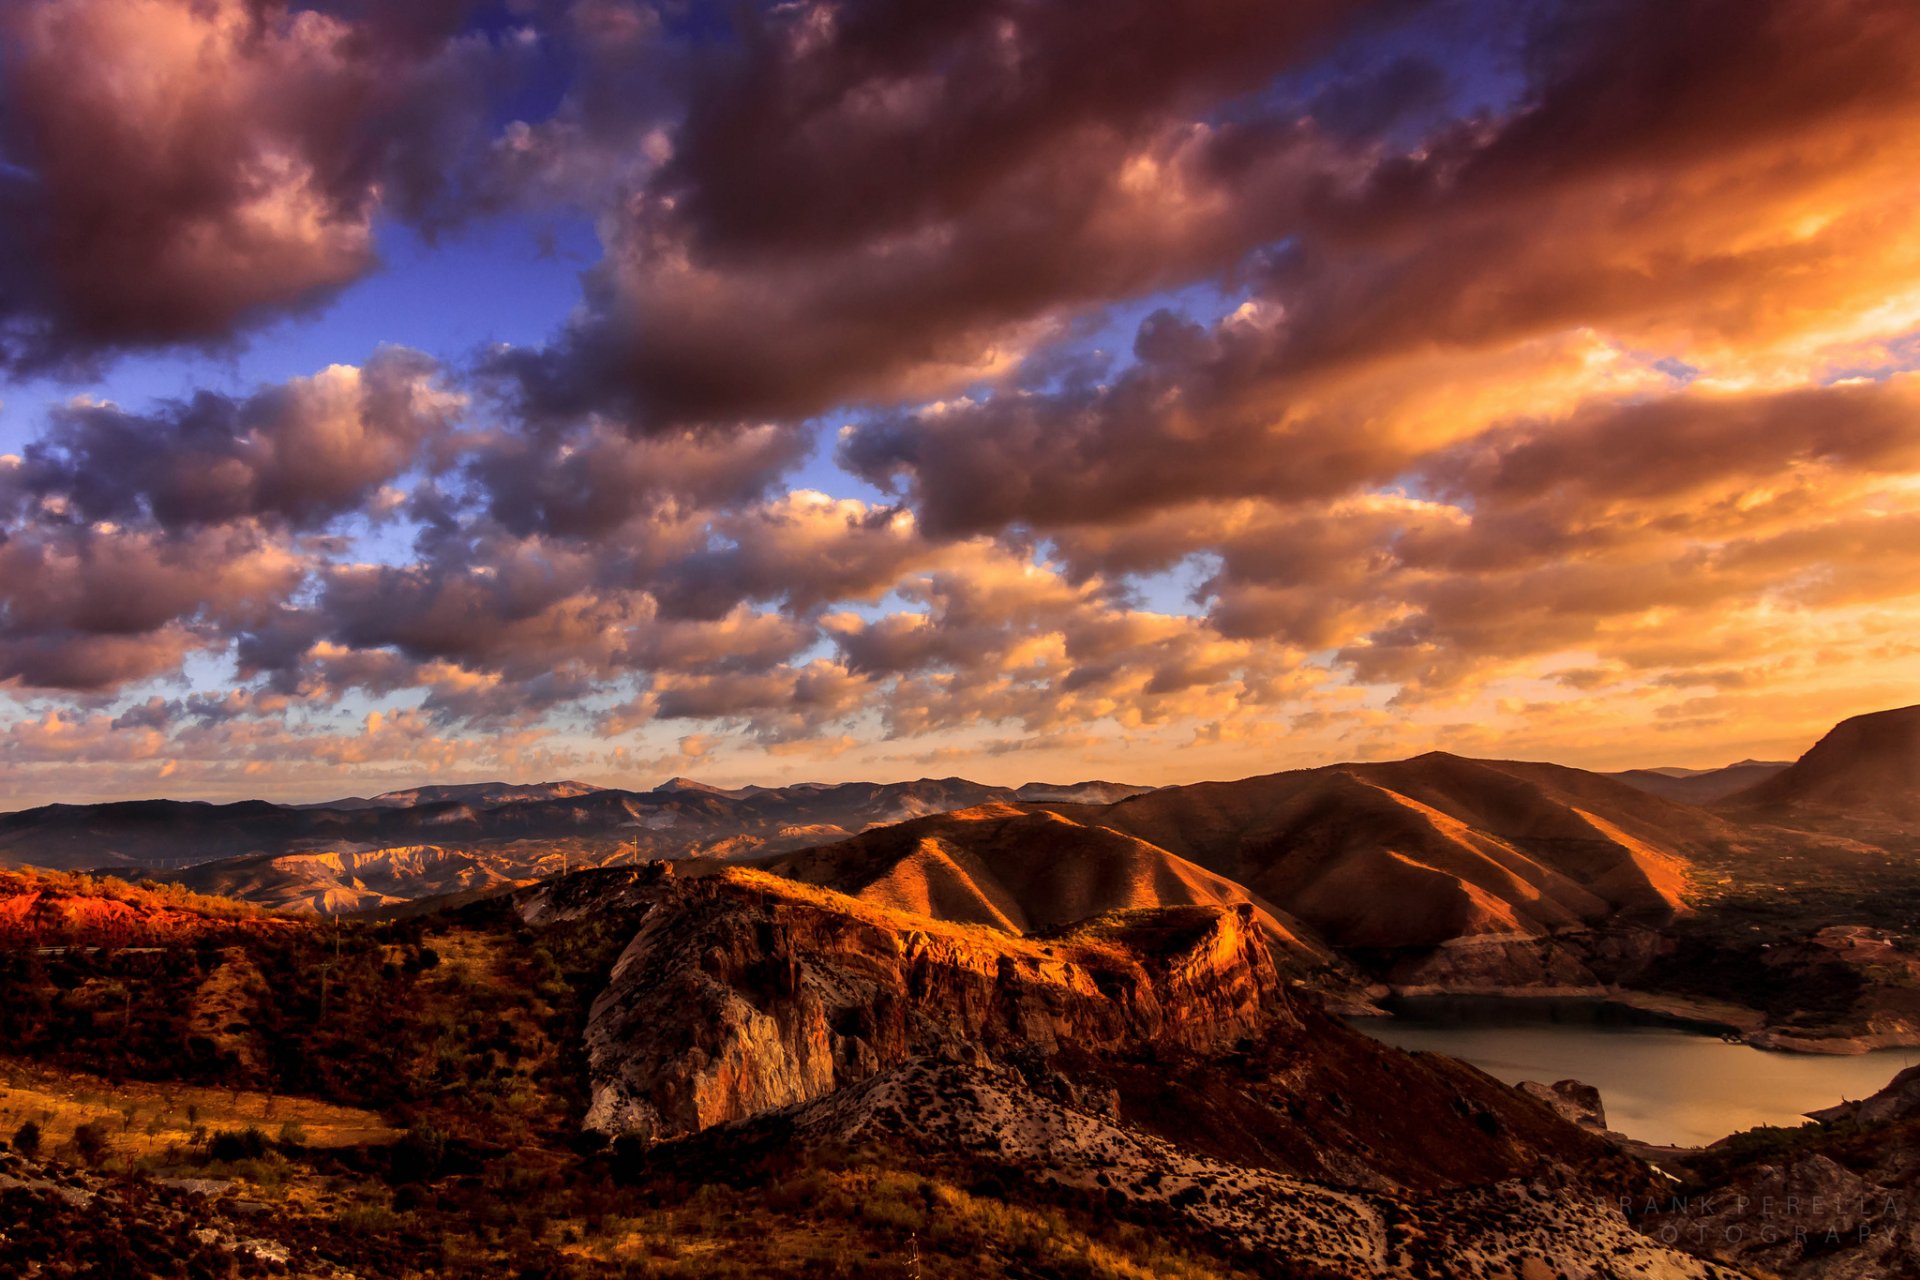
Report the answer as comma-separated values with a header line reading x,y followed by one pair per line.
x,y
1017,390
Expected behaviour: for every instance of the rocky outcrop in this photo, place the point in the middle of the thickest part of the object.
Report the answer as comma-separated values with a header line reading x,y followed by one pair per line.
x,y
1571,1100
743,992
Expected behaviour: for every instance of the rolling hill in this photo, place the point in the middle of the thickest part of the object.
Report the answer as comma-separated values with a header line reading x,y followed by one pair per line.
x,y
1701,786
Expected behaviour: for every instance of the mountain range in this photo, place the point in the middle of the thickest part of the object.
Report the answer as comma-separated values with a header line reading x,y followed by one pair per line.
x,y
947,1029
1436,874
364,853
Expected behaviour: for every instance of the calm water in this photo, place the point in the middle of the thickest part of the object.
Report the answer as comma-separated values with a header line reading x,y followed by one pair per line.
x,y
1660,1084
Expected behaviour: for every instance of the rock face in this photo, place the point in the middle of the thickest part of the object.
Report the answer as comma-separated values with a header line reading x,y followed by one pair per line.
x,y
742,992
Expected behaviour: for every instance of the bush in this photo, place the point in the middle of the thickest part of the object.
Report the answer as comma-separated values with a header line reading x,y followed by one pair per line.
x,y
26,1139
420,1154
90,1141
231,1146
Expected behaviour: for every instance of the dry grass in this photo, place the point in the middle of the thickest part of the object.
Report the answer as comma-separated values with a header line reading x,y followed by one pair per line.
x,y
869,1222
143,1120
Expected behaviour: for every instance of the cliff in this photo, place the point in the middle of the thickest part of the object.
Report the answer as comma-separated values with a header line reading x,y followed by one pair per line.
x,y
742,992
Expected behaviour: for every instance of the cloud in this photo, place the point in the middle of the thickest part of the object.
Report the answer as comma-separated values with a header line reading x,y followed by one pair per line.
x,y
883,202
1450,411
298,454
179,171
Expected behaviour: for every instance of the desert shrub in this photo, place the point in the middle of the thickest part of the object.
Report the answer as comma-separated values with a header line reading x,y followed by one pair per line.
x,y
419,1154
90,1142
230,1146
26,1139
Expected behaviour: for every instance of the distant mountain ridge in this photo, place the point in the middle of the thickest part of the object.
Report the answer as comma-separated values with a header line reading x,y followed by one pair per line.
x,y
1420,851
480,793
1702,786
431,840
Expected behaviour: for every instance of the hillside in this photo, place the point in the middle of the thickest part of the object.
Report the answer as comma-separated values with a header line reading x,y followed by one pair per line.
x,y
49,909
793,1081
1701,786
1865,773
1024,871
1423,851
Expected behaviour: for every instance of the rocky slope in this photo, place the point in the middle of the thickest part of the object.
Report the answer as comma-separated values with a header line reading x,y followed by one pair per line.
x,y
743,992
1835,1200
1149,1061
945,1113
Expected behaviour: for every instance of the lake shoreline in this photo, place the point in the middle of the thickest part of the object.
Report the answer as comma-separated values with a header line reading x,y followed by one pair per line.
x,y
1668,1078
1709,1017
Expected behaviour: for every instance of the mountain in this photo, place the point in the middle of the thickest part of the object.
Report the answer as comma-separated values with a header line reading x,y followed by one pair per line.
x,y
1026,872
739,1074
483,794
1701,786
673,785
1425,851
1153,1059
1866,770
506,833
1078,792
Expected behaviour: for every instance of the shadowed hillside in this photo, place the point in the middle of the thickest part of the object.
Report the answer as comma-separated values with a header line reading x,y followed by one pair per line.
x,y
1865,772
1701,786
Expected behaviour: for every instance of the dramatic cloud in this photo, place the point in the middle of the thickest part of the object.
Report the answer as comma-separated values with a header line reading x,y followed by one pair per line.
x,y
1137,389
885,200
177,170
299,454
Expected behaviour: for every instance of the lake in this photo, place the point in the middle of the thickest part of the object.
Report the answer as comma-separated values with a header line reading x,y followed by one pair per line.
x,y
1660,1083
